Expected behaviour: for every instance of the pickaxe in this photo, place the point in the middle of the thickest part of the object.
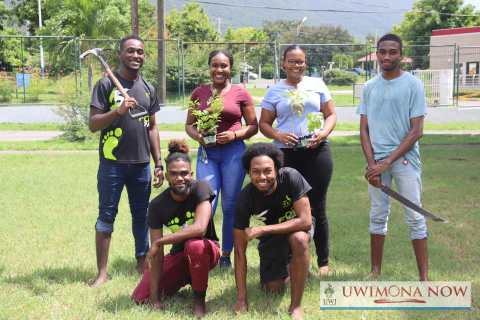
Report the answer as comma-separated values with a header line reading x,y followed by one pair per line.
x,y
97,52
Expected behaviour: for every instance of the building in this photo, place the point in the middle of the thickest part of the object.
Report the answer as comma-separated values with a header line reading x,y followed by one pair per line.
x,y
467,58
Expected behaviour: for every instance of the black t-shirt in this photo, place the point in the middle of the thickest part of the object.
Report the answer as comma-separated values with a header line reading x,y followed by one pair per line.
x,y
164,211
125,140
274,208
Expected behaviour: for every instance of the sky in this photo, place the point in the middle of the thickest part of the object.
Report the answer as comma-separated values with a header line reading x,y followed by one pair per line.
x,y
476,3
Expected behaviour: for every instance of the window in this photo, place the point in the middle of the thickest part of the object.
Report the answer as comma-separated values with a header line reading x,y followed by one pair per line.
x,y
472,67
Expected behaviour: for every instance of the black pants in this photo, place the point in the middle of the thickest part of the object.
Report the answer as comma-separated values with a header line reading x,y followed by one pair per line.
x,y
316,166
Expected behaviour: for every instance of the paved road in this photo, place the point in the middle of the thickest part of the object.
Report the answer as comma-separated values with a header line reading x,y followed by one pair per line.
x,y
167,135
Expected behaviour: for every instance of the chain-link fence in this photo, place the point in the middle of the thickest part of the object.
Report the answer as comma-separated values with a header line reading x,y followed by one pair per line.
x,y
450,73
468,76
339,65
254,66
35,70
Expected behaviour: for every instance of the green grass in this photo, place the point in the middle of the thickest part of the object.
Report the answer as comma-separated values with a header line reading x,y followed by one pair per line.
x,y
345,126
61,145
48,255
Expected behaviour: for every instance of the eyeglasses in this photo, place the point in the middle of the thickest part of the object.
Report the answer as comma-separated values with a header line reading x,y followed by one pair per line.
x,y
293,62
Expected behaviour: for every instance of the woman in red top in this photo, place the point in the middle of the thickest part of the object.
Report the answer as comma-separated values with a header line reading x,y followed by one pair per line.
x,y
222,165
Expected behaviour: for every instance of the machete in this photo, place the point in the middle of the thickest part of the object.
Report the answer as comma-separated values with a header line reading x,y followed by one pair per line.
x,y
410,204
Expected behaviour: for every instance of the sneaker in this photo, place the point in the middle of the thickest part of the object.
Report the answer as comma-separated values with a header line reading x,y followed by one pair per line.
x,y
225,263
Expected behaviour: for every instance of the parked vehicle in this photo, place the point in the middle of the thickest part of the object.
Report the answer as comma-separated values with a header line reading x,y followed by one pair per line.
x,y
358,71
252,76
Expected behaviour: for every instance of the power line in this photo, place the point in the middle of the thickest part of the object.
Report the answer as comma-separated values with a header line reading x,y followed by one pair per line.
x,y
331,10
288,9
411,11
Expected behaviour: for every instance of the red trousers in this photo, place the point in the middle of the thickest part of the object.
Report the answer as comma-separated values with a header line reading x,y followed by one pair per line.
x,y
198,258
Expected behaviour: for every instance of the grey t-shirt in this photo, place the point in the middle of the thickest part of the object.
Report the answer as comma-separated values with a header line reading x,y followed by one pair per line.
x,y
125,140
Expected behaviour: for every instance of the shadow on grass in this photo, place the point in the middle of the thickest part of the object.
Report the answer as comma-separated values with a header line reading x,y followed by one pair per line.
x,y
38,280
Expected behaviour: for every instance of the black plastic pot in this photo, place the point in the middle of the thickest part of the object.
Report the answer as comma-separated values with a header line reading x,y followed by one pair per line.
x,y
304,142
209,137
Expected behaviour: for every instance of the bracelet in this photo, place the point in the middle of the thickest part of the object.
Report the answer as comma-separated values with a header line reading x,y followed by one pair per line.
x,y
159,166
116,111
235,135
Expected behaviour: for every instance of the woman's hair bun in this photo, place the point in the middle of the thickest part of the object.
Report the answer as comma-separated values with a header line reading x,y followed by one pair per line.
x,y
178,146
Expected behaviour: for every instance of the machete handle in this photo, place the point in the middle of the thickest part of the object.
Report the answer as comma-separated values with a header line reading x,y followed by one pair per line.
x,y
382,186
138,115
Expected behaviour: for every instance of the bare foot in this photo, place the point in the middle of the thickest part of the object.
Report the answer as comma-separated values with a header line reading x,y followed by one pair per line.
x,y
372,276
101,279
296,313
140,264
323,271
199,309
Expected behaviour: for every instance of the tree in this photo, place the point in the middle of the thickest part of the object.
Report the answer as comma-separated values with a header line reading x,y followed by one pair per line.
x,y
343,61
4,13
416,27
275,29
191,24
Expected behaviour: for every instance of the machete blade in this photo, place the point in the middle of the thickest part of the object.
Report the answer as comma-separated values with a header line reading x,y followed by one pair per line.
x,y
410,204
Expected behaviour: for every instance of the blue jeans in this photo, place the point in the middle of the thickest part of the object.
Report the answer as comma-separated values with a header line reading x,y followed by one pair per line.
x,y
111,179
224,172
409,185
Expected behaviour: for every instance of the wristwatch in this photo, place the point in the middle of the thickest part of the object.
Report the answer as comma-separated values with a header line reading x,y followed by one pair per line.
x,y
159,166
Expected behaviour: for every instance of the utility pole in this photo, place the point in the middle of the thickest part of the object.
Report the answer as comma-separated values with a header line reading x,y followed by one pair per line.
x,y
134,10
219,21
161,57
296,35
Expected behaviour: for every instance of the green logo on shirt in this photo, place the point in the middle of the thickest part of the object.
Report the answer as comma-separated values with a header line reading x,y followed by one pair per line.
x,y
110,142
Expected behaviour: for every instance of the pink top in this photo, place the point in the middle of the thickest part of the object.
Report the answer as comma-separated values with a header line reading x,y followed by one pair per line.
x,y
235,100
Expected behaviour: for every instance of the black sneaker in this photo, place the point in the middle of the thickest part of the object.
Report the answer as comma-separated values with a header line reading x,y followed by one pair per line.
x,y
225,263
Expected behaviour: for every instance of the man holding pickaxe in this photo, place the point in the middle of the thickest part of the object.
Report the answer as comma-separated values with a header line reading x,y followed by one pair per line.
x,y
125,147
392,108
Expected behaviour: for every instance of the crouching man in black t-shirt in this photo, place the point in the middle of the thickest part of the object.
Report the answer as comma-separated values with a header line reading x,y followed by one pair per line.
x,y
186,209
278,198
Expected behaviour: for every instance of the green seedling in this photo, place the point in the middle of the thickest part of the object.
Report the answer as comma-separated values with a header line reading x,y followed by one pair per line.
x,y
295,98
207,119
315,121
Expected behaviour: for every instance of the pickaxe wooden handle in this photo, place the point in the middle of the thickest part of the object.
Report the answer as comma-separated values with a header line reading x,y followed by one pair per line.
x,y
97,52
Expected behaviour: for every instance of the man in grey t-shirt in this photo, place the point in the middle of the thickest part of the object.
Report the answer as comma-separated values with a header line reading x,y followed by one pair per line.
x,y
392,108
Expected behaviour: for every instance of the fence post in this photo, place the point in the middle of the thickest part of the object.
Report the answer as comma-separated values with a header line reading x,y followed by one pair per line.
x,y
75,58
366,66
23,71
80,64
183,75
454,67
275,62
413,57
178,69
458,59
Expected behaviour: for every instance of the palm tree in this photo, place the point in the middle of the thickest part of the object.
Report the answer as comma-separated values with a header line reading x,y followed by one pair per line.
x,y
86,19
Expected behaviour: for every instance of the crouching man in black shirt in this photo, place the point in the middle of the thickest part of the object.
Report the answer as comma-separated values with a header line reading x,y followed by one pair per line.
x,y
186,209
278,198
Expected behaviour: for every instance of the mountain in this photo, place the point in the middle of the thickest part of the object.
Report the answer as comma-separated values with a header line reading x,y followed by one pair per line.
x,y
358,24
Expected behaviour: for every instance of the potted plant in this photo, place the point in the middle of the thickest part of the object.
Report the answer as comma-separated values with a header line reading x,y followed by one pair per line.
x,y
207,119
296,102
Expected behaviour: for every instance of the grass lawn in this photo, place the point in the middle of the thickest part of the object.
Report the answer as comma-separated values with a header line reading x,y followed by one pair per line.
x,y
60,145
345,126
49,211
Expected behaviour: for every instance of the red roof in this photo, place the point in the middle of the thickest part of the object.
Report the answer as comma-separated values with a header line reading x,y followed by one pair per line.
x,y
445,32
373,57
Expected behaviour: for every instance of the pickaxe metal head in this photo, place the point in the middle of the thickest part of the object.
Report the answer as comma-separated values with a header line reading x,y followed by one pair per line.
x,y
95,51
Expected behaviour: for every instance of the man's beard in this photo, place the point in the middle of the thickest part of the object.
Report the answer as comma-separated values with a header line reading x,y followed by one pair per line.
x,y
263,193
182,191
